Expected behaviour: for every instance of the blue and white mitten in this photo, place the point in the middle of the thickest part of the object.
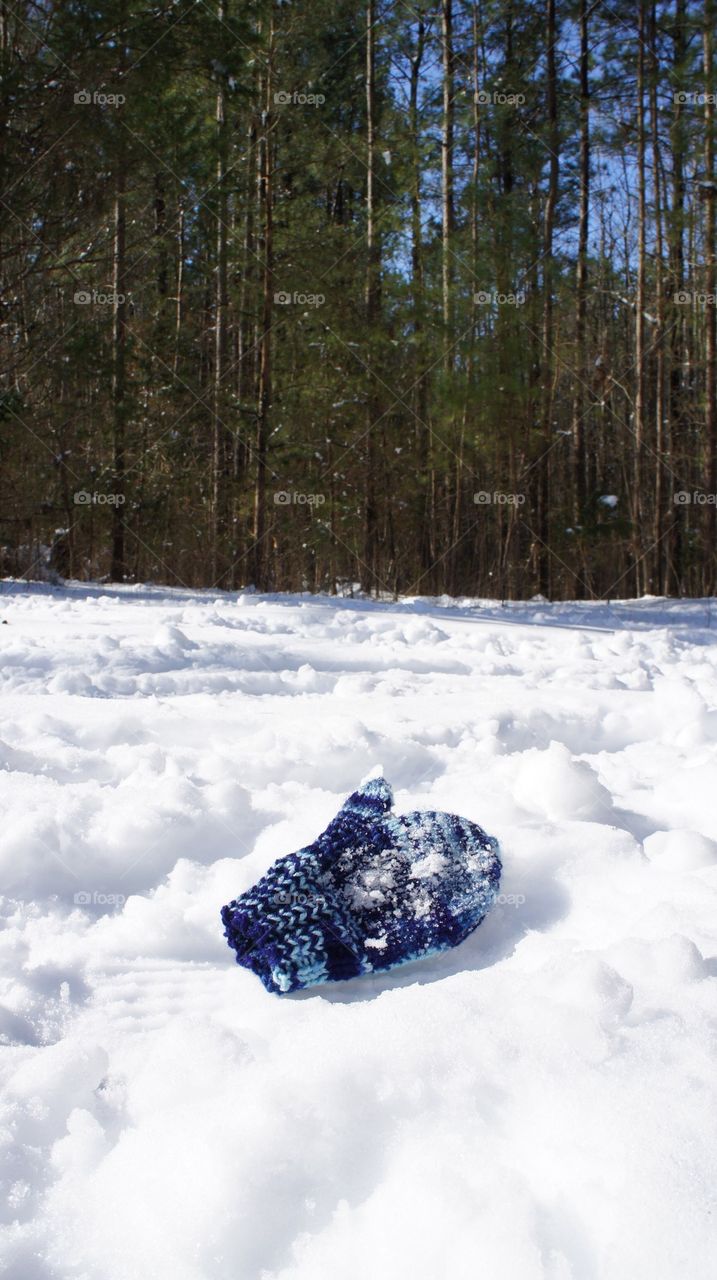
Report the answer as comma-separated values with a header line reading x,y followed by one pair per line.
x,y
375,890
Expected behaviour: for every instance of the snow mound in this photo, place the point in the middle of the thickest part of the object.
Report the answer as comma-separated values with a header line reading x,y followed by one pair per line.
x,y
554,785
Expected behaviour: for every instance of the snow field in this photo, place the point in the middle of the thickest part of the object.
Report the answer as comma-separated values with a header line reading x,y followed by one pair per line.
x,y
538,1104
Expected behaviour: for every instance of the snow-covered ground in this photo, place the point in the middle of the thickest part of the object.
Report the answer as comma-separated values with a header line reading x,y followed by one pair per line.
x,y
539,1102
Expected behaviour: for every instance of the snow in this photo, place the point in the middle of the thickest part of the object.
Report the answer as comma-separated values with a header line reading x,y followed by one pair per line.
x,y
538,1103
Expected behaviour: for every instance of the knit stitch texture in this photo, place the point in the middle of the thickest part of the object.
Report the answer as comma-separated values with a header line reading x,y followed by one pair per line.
x,y
377,889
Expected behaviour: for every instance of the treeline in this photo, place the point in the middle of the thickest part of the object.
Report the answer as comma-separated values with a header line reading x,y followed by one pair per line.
x,y
314,293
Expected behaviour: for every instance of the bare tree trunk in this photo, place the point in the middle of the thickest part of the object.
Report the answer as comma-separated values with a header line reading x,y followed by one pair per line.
x,y
710,460
447,222
179,313
544,497
219,442
638,479
260,558
506,329
447,171
370,557
471,390
246,358
657,580
676,536
424,514
119,341
581,276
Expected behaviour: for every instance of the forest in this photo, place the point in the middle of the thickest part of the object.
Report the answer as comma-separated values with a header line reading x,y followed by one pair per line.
x,y
408,297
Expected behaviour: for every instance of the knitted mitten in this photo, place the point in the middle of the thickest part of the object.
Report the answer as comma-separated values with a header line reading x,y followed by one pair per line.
x,y
375,890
